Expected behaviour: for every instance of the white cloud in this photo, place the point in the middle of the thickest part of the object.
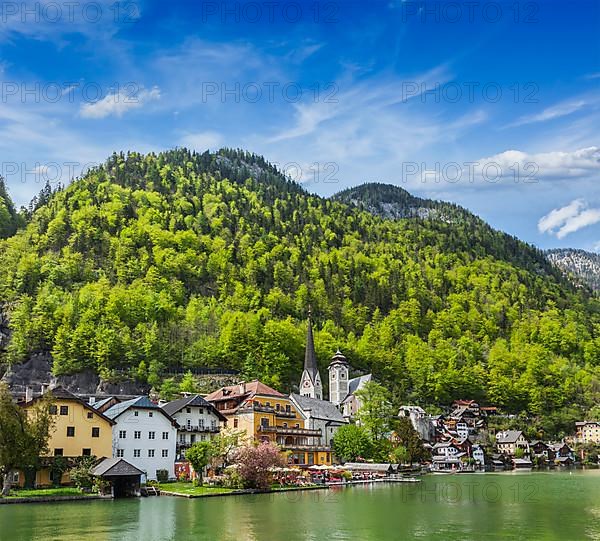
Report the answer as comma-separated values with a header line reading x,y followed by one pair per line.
x,y
550,113
569,219
202,141
117,104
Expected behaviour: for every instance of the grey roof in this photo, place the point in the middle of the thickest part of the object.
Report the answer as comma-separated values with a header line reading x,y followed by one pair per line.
x,y
176,406
509,436
319,409
100,403
112,467
310,357
142,402
355,384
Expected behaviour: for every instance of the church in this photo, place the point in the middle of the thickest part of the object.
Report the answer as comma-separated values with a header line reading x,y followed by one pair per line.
x,y
342,389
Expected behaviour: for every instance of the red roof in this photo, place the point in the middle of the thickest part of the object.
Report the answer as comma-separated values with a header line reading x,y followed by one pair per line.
x,y
249,390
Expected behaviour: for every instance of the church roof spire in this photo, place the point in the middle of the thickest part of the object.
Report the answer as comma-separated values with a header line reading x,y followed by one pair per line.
x,y
310,357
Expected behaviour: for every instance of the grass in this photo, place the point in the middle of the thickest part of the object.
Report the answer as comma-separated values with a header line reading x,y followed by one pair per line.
x,y
190,489
45,492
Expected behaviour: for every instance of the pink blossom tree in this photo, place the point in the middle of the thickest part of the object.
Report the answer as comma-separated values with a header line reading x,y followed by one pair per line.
x,y
254,462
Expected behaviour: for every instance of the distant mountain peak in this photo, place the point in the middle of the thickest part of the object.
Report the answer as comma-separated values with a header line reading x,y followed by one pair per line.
x,y
582,266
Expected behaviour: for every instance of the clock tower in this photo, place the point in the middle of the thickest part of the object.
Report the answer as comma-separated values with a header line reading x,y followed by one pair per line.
x,y
310,383
338,378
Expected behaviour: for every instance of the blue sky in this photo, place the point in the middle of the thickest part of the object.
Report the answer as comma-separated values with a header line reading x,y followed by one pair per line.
x,y
492,105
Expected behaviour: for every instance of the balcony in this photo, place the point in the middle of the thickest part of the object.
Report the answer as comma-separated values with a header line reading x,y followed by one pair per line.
x,y
290,431
267,409
213,429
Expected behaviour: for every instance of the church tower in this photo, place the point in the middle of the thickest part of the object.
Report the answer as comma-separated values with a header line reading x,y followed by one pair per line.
x,y
310,383
338,378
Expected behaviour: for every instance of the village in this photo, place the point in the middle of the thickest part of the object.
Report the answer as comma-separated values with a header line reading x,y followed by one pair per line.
x,y
141,445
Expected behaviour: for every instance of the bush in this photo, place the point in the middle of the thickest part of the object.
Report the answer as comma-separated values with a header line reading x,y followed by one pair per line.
x,y
162,476
81,474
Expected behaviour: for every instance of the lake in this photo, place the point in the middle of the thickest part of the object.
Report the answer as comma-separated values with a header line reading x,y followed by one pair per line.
x,y
514,505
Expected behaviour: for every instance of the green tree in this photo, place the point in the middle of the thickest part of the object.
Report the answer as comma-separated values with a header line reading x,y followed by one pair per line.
x,y
199,455
376,410
23,435
352,442
188,384
404,436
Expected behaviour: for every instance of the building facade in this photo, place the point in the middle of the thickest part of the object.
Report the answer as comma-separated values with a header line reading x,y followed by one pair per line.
x,y
78,430
587,432
198,420
268,415
310,382
145,435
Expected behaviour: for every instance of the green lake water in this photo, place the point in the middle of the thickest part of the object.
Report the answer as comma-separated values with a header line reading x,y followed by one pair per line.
x,y
539,505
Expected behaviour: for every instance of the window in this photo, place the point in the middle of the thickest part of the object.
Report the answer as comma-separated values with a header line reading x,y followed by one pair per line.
x,y
135,413
285,425
58,452
151,435
122,434
64,410
70,432
268,404
189,424
297,425
165,435
213,425
90,415
277,407
235,423
201,411
288,408
86,452
165,453
14,477
95,432
150,414
201,423
264,421
120,453
188,410
137,435
53,410
136,453
150,453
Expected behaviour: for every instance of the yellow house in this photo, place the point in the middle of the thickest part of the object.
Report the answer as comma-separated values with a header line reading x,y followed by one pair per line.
x,y
268,415
79,430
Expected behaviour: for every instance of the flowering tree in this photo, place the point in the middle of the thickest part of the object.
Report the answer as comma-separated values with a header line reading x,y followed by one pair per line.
x,y
254,462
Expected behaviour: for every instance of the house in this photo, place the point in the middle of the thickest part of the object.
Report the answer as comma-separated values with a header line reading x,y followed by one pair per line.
x,y
522,463
587,432
564,461
319,415
79,430
540,449
478,455
198,420
145,435
508,441
123,479
562,450
268,415
446,449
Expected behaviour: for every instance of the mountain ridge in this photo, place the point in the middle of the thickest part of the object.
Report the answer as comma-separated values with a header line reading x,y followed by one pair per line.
x,y
211,260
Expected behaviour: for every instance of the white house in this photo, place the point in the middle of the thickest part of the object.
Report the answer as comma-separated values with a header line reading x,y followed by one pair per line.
x,y
144,435
478,455
446,449
198,420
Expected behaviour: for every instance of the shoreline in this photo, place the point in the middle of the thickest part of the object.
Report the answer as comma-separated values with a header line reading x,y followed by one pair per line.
x,y
242,492
53,499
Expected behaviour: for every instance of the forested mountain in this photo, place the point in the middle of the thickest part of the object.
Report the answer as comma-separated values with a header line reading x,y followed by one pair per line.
x,y
184,259
583,267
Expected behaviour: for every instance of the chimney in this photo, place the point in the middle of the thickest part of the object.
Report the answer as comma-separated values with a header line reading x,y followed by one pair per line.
x,y
242,386
92,400
28,393
44,388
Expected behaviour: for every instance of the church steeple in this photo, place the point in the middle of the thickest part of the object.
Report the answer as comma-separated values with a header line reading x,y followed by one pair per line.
x,y
310,383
